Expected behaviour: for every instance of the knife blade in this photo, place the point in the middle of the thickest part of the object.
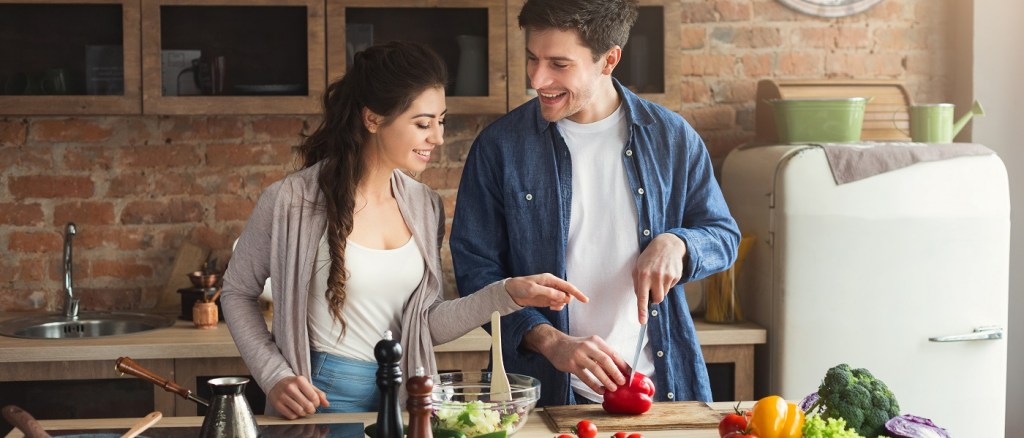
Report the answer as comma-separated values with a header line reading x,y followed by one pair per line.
x,y
639,344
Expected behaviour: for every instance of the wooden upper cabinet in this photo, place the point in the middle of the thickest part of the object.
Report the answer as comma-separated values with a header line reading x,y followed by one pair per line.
x,y
468,34
651,56
232,56
66,57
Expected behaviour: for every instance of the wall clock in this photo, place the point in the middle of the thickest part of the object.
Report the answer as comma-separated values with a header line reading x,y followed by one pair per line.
x,y
830,8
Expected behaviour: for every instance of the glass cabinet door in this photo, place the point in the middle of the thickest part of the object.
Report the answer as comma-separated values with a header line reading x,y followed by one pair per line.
x,y
69,57
468,34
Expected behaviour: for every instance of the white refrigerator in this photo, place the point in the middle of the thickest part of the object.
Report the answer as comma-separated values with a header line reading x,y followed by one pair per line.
x,y
904,273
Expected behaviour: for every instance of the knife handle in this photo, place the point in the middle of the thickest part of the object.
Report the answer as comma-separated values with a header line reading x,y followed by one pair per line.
x,y
126,365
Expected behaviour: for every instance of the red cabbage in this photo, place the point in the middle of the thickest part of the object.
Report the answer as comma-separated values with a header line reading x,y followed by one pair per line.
x,y
808,401
912,426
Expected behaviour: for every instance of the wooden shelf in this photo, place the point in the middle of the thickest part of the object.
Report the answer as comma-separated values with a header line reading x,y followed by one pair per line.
x,y
657,25
436,23
269,46
47,35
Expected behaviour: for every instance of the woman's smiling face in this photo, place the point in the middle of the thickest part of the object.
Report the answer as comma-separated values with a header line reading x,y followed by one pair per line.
x,y
407,141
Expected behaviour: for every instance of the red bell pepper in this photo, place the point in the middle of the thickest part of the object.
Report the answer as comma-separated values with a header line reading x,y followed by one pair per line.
x,y
632,399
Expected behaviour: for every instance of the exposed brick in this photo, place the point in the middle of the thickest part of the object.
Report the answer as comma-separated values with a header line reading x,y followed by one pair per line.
x,y
159,156
109,298
853,37
757,66
213,238
695,91
217,182
892,11
801,64
233,209
738,91
693,38
45,186
448,198
248,154
733,10
34,241
698,12
126,268
21,214
775,11
69,130
815,37
26,157
30,269
285,128
13,132
84,212
162,212
860,65
179,129
708,65
22,300
89,158
711,118
758,38
439,178
457,151
116,237
128,183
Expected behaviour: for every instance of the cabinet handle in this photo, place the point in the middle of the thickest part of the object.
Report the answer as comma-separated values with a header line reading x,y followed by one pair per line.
x,y
987,333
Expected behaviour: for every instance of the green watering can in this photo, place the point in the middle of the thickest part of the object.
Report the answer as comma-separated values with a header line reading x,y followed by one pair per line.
x,y
933,123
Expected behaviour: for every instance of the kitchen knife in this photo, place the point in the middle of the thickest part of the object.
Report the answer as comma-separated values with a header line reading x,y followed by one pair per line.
x,y
639,344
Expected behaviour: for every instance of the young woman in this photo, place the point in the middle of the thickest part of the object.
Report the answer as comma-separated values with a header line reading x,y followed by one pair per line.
x,y
352,245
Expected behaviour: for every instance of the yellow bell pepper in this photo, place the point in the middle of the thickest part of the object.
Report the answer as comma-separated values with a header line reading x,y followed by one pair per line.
x,y
774,418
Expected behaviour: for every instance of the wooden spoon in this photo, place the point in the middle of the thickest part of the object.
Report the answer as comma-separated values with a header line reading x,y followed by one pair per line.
x,y
143,424
500,389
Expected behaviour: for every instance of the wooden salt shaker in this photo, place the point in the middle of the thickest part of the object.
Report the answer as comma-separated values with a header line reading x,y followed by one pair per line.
x,y
389,379
419,405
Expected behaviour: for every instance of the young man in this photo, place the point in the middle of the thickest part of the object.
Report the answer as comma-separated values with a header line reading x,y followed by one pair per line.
x,y
612,192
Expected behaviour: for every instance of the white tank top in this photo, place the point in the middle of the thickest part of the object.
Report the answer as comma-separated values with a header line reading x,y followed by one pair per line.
x,y
379,285
603,247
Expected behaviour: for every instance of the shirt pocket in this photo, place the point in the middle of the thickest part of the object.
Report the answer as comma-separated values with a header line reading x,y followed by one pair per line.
x,y
532,215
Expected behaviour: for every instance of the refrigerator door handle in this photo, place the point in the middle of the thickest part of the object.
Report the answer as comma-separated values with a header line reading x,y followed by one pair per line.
x,y
980,334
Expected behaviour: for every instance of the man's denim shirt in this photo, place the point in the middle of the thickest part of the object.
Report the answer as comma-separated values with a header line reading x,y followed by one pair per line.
x,y
512,219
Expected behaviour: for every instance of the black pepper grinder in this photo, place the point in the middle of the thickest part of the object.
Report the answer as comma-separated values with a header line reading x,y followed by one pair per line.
x,y
389,378
419,406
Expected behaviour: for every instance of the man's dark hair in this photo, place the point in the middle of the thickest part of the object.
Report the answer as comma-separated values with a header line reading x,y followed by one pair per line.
x,y
600,24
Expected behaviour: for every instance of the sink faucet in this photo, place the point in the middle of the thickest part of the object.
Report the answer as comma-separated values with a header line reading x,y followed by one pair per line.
x,y
70,302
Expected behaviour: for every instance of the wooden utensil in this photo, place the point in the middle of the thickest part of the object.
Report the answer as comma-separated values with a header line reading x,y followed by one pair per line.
x,y
500,389
24,421
126,365
143,424
663,415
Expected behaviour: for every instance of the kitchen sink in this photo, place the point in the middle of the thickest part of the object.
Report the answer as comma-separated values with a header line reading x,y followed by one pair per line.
x,y
86,325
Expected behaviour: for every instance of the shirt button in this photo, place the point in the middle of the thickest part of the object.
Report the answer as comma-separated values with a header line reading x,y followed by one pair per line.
x,y
629,152
529,196
670,396
661,353
647,232
654,313
640,190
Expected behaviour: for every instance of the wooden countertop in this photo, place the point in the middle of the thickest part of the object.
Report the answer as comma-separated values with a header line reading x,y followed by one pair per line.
x,y
183,341
534,428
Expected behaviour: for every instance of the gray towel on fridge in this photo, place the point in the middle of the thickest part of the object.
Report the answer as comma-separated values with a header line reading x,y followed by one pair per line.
x,y
854,161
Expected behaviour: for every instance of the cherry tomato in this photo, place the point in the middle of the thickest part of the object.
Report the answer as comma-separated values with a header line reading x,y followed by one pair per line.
x,y
565,435
585,429
732,423
620,435
635,435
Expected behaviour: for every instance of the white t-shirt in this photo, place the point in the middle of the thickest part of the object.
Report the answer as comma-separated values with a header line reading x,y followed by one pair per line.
x,y
379,285
603,246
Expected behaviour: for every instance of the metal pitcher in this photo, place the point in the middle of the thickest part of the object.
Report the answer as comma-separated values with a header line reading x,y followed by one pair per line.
x,y
229,415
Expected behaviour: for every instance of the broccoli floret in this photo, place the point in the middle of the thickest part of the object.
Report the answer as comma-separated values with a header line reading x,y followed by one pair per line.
x,y
856,396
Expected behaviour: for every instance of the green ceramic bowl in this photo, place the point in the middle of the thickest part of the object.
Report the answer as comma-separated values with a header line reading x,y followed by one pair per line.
x,y
819,120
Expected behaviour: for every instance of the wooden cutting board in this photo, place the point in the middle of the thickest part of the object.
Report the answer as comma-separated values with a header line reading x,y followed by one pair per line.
x,y
663,415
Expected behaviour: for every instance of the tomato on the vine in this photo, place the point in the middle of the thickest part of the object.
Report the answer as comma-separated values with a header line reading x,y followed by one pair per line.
x,y
635,435
585,429
620,435
733,422
565,435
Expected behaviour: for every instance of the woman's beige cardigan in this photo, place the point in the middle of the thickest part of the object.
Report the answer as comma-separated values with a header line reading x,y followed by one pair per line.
x,y
280,242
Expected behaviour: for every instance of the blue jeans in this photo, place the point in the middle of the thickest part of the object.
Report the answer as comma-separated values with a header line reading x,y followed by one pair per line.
x,y
350,384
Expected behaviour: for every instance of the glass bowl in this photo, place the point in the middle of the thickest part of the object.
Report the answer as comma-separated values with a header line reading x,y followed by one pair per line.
x,y
462,401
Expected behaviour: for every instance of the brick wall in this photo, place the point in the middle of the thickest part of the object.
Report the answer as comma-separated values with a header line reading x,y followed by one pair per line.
x,y
139,186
